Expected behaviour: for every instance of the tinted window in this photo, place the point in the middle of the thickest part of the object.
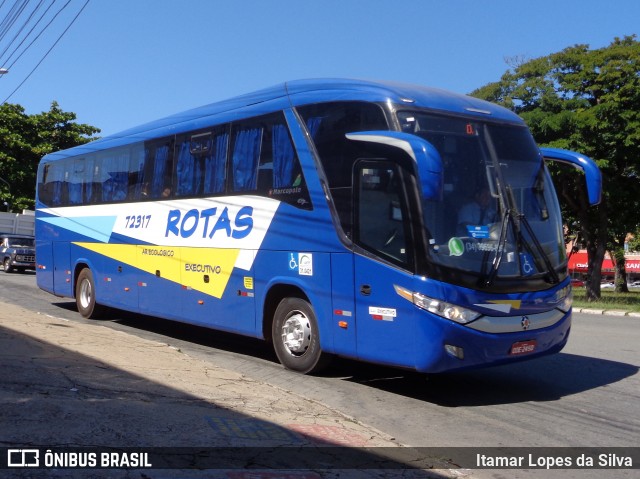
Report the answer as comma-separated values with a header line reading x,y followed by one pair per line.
x,y
201,163
380,211
328,124
257,157
264,161
115,173
156,181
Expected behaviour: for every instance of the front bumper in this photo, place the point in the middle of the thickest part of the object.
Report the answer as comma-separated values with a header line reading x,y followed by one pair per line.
x,y
23,264
482,348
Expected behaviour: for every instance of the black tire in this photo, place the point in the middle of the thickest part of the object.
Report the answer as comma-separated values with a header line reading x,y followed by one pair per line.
x,y
7,266
296,340
86,295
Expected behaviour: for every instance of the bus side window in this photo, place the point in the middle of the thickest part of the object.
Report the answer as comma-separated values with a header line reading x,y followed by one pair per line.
x,y
114,174
201,162
189,168
380,209
280,169
52,185
215,164
156,177
136,171
328,123
264,161
75,180
245,157
92,185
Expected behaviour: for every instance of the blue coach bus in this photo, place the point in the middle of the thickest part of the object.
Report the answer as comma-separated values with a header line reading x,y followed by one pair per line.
x,y
385,222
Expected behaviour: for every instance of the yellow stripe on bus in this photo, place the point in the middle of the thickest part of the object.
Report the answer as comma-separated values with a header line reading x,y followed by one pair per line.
x,y
203,269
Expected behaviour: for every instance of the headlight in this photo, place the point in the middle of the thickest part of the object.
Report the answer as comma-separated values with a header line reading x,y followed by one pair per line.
x,y
565,304
565,299
446,310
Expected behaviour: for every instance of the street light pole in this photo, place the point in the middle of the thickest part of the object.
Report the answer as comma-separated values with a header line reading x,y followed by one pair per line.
x,y
3,71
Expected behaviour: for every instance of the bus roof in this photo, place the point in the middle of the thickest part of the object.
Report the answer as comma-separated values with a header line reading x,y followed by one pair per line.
x,y
297,93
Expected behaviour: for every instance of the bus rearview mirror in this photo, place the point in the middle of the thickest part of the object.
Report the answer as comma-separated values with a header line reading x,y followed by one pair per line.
x,y
592,174
424,155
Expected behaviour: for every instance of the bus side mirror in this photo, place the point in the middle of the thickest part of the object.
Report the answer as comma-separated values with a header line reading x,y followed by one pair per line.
x,y
584,163
426,158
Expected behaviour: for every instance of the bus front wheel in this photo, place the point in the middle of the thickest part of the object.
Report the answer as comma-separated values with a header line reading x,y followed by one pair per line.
x,y
86,295
295,337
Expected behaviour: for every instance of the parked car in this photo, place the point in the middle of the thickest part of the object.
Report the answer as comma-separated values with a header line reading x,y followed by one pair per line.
x,y
608,284
577,282
18,252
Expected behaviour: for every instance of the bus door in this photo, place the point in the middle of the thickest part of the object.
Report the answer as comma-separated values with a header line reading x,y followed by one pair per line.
x,y
382,262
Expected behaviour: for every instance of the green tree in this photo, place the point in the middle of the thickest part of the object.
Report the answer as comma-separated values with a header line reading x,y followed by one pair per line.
x,y
25,139
588,101
634,241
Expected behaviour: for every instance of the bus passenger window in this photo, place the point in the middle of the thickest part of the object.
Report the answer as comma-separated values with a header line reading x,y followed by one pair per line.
x,y
283,176
156,179
201,162
52,186
115,175
215,165
264,161
75,180
188,170
246,152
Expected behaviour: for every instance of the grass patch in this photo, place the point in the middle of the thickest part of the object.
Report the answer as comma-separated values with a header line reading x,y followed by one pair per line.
x,y
609,300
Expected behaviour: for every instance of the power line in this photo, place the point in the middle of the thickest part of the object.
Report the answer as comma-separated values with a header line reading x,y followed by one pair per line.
x,y
48,51
24,25
39,34
11,18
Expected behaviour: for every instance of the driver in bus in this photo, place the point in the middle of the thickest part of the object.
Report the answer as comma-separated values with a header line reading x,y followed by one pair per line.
x,y
478,212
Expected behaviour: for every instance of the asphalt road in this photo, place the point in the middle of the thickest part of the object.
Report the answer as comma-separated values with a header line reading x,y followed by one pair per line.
x,y
586,396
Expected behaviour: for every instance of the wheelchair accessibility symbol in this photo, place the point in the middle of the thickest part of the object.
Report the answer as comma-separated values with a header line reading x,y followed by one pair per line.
x,y
293,265
526,264
302,263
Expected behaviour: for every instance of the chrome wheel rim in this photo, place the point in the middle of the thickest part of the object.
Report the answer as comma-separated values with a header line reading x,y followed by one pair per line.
x,y
85,293
296,333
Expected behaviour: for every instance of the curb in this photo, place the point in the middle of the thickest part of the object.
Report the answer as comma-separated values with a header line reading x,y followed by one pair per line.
x,y
606,312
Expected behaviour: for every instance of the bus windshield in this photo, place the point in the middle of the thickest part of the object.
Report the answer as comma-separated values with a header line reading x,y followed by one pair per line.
x,y
498,215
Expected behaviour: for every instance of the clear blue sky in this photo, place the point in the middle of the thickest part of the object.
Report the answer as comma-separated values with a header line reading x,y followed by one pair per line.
x,y
125,62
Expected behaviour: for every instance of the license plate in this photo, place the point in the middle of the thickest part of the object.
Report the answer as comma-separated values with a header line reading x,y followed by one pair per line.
x,y
523,347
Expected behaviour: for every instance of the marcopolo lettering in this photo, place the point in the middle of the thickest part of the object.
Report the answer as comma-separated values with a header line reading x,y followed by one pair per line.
x,y
208,222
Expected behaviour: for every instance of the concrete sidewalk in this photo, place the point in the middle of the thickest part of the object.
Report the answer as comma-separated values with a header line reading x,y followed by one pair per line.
x,y
67,383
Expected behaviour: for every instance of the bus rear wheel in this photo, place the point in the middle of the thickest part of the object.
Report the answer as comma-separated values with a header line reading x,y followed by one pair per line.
x,y
86,295
296,339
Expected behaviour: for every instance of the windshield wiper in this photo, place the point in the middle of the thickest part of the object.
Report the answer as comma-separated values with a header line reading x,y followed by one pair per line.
x,y
516,218
502,243
522,244
513,216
